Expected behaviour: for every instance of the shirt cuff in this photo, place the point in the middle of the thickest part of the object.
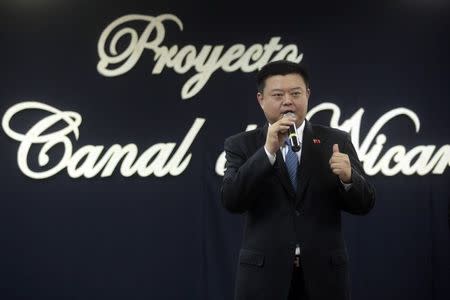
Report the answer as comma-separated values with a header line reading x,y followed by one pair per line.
x,y
270,156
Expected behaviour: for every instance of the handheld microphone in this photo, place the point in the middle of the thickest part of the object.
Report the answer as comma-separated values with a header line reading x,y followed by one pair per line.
x,y
292,135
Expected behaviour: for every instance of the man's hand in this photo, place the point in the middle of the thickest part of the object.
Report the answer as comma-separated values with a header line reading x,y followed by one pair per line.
x,y
277,133
340,165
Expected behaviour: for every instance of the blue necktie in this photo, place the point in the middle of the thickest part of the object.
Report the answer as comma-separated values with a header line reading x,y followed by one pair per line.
x,y
291,164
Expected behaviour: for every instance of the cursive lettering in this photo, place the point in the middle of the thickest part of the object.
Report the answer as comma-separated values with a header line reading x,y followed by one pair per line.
x,y
205,61
90,160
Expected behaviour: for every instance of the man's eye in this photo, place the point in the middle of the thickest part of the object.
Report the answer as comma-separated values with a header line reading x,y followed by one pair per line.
x,y
296,94
278,95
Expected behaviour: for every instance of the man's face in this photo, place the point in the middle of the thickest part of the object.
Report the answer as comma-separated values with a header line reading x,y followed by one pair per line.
x,y
282,94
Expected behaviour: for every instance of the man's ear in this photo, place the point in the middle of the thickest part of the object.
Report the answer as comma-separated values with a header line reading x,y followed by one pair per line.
x,y
308,93
259,96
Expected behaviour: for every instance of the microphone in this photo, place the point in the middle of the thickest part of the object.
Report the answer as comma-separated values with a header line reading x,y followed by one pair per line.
x,y
292,135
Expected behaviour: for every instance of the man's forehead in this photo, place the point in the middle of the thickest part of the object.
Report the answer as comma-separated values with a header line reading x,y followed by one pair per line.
x,y
294,77
282,82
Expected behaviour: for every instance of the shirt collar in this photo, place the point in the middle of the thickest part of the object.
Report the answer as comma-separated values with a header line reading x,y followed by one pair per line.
x,y
300,130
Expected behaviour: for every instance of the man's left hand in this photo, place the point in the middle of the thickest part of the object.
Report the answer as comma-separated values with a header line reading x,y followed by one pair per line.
x,y
340,165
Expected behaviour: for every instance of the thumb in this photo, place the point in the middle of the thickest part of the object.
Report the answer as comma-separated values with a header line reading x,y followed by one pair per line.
x,y
335,148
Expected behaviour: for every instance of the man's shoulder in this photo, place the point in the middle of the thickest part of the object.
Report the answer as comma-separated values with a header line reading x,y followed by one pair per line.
x,y
250,136
322,130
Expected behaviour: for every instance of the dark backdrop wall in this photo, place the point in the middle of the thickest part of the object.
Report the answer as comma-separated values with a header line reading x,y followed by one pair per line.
x,y
114,115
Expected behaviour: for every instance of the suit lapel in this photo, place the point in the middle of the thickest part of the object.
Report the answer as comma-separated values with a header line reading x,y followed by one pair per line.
x,y
307,161
280,167
309,158
282,174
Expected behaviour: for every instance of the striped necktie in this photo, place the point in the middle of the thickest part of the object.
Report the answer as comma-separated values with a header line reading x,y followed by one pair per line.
x,y
291,164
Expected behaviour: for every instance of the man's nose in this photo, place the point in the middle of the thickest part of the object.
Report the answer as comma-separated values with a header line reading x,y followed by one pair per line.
x,y
287,99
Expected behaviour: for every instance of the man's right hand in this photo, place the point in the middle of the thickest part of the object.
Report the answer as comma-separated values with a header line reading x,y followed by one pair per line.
x,y
277,133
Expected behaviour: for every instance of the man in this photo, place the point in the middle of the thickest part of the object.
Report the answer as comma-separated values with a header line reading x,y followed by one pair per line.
x,y
292,245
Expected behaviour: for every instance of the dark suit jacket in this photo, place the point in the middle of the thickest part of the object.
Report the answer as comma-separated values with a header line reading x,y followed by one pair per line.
x,y
277,218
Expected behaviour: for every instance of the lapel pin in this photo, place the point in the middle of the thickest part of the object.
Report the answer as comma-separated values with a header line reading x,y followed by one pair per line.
x,y
316,141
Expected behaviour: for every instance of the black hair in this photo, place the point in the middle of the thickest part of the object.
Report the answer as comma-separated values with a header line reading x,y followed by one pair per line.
x,y
280,67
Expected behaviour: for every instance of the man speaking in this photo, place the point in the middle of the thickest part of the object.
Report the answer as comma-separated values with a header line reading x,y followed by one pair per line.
x,y
292,179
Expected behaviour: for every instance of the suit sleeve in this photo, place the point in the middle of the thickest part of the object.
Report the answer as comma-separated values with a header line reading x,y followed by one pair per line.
x,y
242,176
360,198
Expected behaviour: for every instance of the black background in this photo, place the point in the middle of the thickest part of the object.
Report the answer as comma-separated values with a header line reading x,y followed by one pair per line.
x,y
169,238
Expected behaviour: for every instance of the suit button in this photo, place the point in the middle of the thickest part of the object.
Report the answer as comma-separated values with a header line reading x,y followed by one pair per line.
x,y
297,213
